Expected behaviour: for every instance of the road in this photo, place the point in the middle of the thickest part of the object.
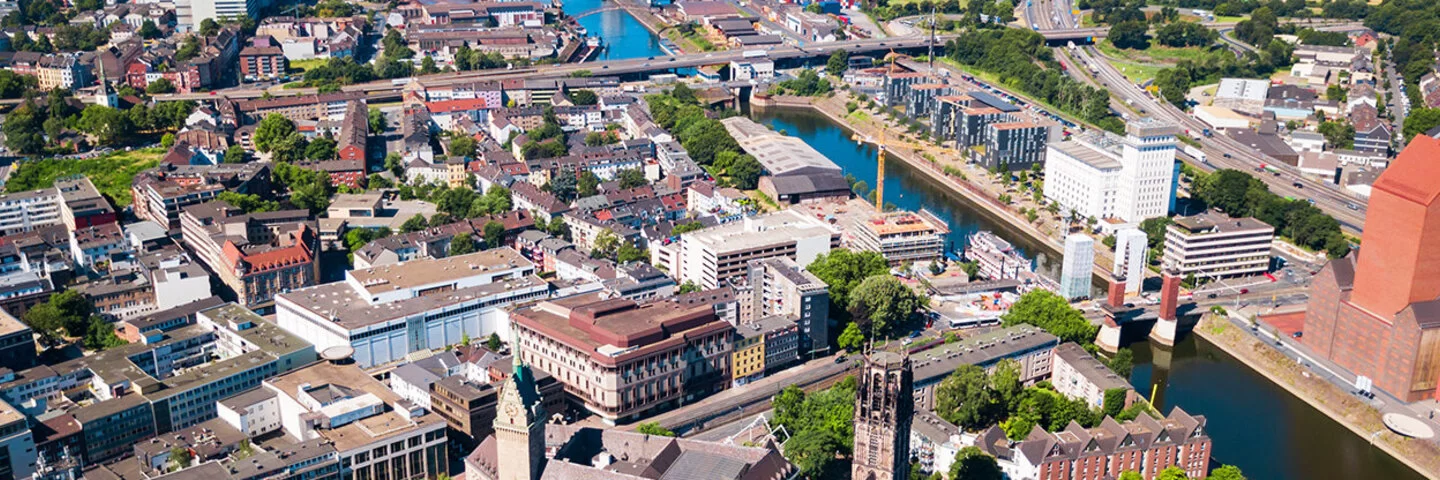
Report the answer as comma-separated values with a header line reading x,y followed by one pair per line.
x,y
1222,151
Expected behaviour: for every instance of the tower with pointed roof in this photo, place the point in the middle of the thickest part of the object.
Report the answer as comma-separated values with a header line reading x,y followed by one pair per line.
x,y
520,426
884,404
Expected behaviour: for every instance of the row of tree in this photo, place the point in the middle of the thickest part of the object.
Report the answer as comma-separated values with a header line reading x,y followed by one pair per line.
x,y
704,137
1021,57
31,127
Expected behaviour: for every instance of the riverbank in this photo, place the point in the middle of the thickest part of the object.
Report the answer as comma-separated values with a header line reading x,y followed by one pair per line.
x,y
986,201
1340,406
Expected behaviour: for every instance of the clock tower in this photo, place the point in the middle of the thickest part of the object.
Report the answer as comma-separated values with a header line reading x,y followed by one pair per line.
x,y
520,427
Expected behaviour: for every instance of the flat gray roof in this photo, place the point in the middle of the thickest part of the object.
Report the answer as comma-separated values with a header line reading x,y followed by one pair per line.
x,y
1094,158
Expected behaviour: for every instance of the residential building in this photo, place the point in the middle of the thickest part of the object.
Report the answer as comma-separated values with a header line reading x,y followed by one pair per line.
x,y
375,433
763,346
1077,267
262,63
65,71
1076,373
162,192
569,451
354,131
17,444
25,211
719,255
17,343
1014,146
901,237
884,406
328,106
1145,445
780,287
1213,245
387,312
468,402
624,360
752,69
256,255
1372,312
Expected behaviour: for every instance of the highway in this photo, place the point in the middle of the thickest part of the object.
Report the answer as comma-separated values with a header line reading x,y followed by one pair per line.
x,y
1222,151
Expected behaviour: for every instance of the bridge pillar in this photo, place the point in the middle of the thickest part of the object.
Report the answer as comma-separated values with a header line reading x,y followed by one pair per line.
x,y
1108,340
1168,326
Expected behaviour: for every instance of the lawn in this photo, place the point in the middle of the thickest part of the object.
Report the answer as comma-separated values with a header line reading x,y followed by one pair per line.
x,y
111,173
1137,72
298,66
1157,53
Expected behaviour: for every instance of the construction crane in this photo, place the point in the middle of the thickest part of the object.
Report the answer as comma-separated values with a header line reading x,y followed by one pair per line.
x,y
879,170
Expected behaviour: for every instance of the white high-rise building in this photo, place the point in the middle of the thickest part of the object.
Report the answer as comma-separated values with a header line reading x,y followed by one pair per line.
x,y
1075,272
1105,176
1131,246
189,13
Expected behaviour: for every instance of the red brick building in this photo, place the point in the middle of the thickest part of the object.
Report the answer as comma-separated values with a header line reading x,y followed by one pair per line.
x,y
1376,312
1145,445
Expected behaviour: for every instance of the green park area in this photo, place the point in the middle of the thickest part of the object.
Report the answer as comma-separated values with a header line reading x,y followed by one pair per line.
x,y
111,173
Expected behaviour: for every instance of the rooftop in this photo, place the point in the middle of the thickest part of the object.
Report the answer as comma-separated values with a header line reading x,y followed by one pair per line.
x,y
761,230
1243,89
1095,158
780,154
1090,367
983,350
370,430
341,303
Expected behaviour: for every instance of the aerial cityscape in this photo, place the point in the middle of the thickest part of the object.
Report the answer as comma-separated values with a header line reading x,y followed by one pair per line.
x,y
719,239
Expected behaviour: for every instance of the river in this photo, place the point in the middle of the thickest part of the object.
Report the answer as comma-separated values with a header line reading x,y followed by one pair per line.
x,y
1255,425
624,36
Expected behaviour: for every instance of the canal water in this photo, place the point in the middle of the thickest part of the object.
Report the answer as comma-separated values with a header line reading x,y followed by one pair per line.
x,y
1254,424
624,36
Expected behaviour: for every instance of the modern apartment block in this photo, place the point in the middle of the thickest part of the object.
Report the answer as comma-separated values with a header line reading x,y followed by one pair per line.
x,y
1011,146
1076,373
780,287
1077,267
390,311
901,237
257,255
327,106
1101,175
73,202
17,444
24,211
1145,445
161,193
720,255
1213,245
624,360
1374,312
763,346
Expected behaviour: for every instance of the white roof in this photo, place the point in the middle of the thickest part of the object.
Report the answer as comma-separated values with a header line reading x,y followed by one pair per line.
x,y
1243,89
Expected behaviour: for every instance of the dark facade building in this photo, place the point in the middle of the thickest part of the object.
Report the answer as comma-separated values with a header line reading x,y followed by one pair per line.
x,y
884,406
1375,312
1014,145
262,62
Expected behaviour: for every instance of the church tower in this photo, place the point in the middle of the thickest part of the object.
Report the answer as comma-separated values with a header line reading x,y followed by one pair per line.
x,y
884,403
520,427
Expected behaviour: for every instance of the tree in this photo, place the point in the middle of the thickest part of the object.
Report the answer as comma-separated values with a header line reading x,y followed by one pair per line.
x,y
1045,309
562,186
493,342
631,178
688,287
1114,401
427,66
584,97
108,125
462,146
414,224
964,398
630,252
884,303
1123,363
494,232
461,244
843,269
235,154
812,451
166,140
851,338
250,203
686,227
1005,382
745,172
1421,120
188,49
101,335
149,31
160,85
1130,35
1227,472
1130,475
654,428
973,464
322,148
376,119
588,184
209,27
271,131
838,63
1172,473
181,456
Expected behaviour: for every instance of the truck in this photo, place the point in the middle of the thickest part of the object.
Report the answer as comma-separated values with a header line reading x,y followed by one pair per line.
x,y
754,53
1196,152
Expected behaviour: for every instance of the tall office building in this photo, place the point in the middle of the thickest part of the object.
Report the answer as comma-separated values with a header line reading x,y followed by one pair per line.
x,y
883,408
1131,255
189,13
1147,167
1375,312
1079,261
1101,175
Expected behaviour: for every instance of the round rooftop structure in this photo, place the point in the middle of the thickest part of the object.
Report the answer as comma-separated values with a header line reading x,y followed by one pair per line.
x,y
338,353
1408,426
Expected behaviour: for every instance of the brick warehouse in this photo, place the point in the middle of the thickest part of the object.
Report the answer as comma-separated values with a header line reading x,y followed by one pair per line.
x,y
1377,311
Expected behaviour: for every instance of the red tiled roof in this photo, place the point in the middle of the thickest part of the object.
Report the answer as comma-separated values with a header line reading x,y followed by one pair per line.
x,y
450,106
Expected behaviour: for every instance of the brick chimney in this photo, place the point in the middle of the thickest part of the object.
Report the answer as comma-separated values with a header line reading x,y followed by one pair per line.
x,y
1115,296
1169,293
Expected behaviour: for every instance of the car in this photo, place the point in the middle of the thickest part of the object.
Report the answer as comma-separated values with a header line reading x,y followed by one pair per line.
x,y
672,59
1129,305
603,67
1227,155
1210,296
1297,334
840,359
1244,291
1352,206
1297,185
907,341
650,58
915,334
